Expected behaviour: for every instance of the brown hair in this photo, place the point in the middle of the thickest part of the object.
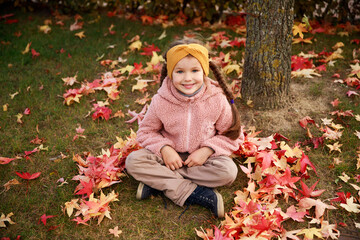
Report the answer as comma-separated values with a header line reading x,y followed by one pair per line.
x,y
234,131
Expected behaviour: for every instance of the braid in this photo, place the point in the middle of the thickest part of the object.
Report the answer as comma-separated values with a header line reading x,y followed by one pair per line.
x,y
163,74
234,131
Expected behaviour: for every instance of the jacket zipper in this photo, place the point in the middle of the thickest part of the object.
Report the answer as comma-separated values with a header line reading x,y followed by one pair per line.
x,y
187,143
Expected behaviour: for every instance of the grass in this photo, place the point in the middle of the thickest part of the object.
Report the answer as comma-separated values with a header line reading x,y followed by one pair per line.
x,y
40,88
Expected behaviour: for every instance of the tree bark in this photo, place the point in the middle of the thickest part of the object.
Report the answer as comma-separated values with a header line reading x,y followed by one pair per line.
x,y
267,67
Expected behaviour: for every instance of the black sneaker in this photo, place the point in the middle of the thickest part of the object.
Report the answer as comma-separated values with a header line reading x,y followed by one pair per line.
x,y
208,198
144,191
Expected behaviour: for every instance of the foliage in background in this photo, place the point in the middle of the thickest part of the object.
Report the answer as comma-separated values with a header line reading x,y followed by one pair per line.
x,y
208,10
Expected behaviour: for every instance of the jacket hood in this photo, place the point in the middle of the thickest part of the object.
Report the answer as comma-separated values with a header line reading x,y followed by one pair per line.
x,y
170,93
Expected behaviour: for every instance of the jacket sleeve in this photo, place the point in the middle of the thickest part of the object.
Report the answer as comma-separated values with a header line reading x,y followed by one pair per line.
x,y
149,134
221,144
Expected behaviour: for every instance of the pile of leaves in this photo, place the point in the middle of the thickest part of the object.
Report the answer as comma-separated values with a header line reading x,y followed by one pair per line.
x,y
96,173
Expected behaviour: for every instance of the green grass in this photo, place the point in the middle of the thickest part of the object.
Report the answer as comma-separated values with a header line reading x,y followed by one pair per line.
x,y
56,123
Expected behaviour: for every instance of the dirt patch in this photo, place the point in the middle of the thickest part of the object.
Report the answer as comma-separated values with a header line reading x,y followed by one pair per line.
x,y
309,97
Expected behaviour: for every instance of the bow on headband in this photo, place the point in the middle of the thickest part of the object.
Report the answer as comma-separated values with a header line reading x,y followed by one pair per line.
x,y
175,54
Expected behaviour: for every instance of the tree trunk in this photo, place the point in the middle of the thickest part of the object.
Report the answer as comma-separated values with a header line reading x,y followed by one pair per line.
x,y
267,67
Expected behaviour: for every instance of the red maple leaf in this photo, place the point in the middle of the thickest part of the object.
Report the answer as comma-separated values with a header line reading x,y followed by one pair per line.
x,y
102,112
28,176
300,63
305,121
341,197
79,220
357,41
138,69
34,53
294,215
4,160
87,188
286,179
267,158
309,192
304,161
147,19
111,14
43,218
148,50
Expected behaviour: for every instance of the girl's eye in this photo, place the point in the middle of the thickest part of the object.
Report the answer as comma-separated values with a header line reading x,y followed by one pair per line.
x,y
179,71
195,70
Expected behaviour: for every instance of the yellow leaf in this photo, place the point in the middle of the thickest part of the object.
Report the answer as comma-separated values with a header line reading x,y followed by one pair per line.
x,y
19,116
135,45
4,219
69,206
232,67
13,95
350,206
338,45
335,55
156,58
139,85
45,29
80,35
306,73
128,68
335,147
163,35
10,183
301,40
299,29
27,48
69,81
310,233
5,107
344,177
343,34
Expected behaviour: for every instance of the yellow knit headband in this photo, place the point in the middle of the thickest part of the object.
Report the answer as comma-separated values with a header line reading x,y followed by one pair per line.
x,y
175,54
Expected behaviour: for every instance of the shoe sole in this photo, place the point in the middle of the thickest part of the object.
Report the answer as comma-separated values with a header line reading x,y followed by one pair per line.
x,y
139,191
220,205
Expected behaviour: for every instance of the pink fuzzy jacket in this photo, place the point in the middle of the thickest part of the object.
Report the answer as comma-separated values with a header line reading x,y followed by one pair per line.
x,y
187,123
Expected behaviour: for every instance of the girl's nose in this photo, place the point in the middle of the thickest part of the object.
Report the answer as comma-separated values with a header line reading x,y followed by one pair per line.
x,y
187,76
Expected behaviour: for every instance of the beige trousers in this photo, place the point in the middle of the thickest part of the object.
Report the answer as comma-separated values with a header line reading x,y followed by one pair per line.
x,y
177,185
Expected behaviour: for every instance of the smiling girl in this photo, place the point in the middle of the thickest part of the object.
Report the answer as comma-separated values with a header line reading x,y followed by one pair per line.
x,y
191,128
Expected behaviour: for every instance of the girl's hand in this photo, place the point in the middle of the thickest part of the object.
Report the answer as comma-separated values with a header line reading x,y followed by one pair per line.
x,y
171,158
199,157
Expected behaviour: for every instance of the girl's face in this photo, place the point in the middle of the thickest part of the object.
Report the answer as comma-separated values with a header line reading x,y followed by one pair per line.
x,y
188,75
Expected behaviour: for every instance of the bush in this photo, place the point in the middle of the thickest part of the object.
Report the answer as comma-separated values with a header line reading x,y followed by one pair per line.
x,y
206,10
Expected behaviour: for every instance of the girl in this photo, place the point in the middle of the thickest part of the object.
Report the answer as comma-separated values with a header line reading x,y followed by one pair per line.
x,y
188,132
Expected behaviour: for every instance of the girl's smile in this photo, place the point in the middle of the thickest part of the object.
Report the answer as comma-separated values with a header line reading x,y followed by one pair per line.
x,y
188,75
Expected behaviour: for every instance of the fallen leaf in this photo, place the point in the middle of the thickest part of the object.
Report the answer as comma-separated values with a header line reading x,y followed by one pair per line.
x,y
135,45
116,232
5,160
28,176
8,185
6,218
80,35
350,206
27,48
43,218
309,233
